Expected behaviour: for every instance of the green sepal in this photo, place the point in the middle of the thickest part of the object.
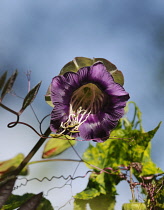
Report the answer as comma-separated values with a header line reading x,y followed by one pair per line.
x,y
10,165
58,144
80,62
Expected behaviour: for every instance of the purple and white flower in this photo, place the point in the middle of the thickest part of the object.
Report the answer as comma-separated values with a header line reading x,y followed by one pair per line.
x,y
87,103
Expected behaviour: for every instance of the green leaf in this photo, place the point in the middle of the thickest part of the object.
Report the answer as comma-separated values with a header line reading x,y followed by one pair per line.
x,y
99,184
32,203
9,84
57,145
10,165
134,206
106,202
159,197
122,148
125,147
30,96
16,201
87,194
2,79
148,166
6,188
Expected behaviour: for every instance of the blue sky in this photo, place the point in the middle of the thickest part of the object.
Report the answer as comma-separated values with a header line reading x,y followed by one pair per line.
x,y
44,35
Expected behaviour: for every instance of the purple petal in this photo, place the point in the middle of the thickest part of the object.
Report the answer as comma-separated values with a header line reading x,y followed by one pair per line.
x,y
59,114
97,127
62,88
100,76
116,89
83,75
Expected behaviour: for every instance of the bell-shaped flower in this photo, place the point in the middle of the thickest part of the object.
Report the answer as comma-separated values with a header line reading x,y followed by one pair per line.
x,y
88,103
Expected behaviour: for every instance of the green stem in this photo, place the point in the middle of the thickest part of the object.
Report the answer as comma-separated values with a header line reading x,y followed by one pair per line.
x,y
32,152
134,116
52,160
131,184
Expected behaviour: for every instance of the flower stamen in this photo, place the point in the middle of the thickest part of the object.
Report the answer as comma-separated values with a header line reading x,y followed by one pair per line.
x,y
75,119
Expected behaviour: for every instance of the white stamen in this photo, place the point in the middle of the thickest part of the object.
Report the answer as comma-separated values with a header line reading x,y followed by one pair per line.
x,y
74,120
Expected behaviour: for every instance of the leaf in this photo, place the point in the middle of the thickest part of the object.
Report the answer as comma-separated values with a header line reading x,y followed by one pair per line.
x,y
57,145
6,188
134,206
87,194
16,201
10,165
30,96
103,202
99,184
148,166
122,148
159,197
9,84
32,203
2,79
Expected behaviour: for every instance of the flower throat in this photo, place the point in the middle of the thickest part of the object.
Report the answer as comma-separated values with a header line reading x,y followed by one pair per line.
x,y
86,100
89,97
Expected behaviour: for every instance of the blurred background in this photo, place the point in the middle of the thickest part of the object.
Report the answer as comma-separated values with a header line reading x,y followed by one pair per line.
x,y
42,36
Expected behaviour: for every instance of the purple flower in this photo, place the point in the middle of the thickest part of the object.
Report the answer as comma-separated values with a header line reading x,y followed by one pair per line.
x,y
87,103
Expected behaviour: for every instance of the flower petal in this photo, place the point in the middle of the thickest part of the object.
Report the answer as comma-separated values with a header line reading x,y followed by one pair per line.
x,y
116,89
99,75
83,75
97,127
62,88
59,114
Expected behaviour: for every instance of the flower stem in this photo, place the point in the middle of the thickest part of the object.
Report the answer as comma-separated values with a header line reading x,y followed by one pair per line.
x,y
51,160
8,109
32,152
